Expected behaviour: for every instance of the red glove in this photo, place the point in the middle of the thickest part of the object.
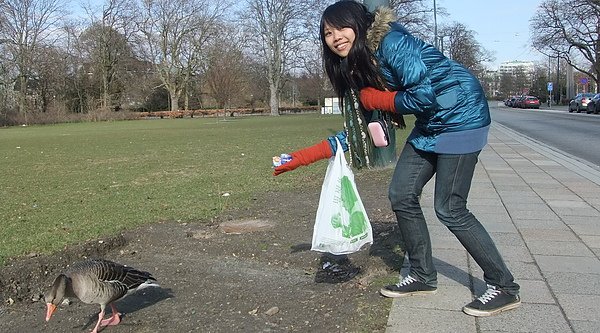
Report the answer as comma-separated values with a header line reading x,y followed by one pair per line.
x,y
306,156
373,99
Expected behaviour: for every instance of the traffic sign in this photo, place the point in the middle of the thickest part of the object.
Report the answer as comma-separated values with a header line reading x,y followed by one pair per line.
x,y
550,86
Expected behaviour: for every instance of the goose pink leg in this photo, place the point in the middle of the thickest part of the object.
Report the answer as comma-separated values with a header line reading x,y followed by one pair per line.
x,y
115,319
100,316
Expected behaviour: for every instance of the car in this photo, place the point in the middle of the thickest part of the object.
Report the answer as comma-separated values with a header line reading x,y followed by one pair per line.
x,y
517,102
594,104
510,102
529,102
580,102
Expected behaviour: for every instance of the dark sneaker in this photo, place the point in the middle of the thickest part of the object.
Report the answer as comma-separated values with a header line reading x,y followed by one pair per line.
x,y
492,302
409,286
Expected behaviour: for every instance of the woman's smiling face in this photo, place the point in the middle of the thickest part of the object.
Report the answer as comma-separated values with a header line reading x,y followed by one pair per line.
x,y
339,41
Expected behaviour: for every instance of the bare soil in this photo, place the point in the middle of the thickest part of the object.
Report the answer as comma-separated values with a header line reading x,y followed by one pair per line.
x,y
249,270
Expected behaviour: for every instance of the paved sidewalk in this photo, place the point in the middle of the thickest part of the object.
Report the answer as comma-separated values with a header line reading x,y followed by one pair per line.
x,y
541,207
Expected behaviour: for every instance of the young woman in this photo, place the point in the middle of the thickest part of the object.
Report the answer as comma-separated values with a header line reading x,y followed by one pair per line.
x,y
397,73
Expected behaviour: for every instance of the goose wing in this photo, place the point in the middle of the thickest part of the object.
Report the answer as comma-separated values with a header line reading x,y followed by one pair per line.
x,y
103,281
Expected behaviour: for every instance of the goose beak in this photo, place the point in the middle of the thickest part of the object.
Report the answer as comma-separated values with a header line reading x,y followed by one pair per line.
x,y
50,310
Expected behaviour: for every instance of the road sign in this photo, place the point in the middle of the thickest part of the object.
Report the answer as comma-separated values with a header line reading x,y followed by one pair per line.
x,y
584,80
550,86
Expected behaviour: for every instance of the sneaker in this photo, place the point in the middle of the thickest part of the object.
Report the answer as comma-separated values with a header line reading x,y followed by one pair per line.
x,y
492,302
409,286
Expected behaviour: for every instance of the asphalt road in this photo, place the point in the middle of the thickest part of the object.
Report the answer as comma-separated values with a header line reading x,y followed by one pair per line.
x,y
575,133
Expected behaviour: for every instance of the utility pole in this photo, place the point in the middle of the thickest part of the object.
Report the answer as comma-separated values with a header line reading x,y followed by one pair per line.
x,y
549,91
557,78
435,32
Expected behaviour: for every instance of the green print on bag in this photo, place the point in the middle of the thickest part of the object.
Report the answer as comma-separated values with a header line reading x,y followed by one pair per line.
x,y
358,221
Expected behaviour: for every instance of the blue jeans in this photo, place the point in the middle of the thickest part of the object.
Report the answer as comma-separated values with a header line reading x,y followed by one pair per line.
x,y
452,184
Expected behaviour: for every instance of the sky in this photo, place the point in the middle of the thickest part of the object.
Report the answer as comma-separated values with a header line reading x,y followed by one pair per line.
x,y
500,26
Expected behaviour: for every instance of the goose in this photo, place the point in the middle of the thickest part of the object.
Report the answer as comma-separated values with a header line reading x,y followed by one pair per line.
x,y
97,281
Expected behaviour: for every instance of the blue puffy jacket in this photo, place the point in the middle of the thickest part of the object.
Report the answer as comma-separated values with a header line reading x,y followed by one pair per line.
x,y
449,104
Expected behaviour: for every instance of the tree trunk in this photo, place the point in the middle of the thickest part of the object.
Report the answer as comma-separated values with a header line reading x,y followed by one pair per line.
x,y
105,95
174,100
23,96
274,100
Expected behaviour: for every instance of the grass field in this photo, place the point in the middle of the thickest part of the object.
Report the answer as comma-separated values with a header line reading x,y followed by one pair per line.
x,y
67,183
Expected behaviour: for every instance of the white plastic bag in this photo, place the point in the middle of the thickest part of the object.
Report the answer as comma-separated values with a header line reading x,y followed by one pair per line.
x,y
341,225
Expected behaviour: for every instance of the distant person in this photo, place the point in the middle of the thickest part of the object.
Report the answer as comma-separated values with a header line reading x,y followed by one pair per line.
x,y
398,73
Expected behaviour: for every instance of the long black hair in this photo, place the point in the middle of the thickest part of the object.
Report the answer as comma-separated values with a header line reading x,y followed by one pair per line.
x,y
358,69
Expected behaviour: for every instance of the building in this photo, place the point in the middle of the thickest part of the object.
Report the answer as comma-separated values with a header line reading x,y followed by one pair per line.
x,y
332,106
517,67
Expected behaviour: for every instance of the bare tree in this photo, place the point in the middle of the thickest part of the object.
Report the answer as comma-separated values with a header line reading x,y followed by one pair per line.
x,y
313,81
570,30
174,34
225,69
106,43
464,48
26,25
276,29
417,16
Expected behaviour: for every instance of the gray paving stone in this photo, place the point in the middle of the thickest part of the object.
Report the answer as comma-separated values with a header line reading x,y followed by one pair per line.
x,y
566,282
554,224
457,258
569,211
580,307
591,241
534,214
527,318
586,229
521,197
523,270
556,248
535,291
568,264
428,320
547,234
580,326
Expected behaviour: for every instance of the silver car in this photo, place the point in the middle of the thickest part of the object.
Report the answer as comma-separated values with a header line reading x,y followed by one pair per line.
x,y
580,102
594,104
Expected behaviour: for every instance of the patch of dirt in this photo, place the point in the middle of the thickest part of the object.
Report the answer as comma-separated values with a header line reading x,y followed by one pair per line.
x,y
250,270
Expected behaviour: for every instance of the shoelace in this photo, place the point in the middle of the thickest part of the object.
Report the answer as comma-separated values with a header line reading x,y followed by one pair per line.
x,y
406,281
489,294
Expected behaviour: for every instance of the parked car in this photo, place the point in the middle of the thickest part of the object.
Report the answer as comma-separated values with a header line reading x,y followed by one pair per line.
x,y
508,102
517,102
594,104
529,102
580,102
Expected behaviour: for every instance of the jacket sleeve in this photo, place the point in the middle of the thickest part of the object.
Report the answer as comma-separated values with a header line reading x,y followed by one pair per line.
x,y
403,59
342,137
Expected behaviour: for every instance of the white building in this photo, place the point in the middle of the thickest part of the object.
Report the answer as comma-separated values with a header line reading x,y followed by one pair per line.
x,y
515,67
332,106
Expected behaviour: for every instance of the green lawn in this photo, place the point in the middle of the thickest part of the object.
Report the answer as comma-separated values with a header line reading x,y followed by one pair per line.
x,y
66,183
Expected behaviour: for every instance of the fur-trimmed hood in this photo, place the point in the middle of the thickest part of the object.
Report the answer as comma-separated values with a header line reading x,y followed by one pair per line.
x,y
380,27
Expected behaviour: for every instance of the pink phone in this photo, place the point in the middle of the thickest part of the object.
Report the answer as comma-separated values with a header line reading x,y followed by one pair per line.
x,y
379,133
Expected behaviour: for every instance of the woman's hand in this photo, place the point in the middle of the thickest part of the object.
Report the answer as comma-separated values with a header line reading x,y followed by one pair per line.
x,y
306,156
373,99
